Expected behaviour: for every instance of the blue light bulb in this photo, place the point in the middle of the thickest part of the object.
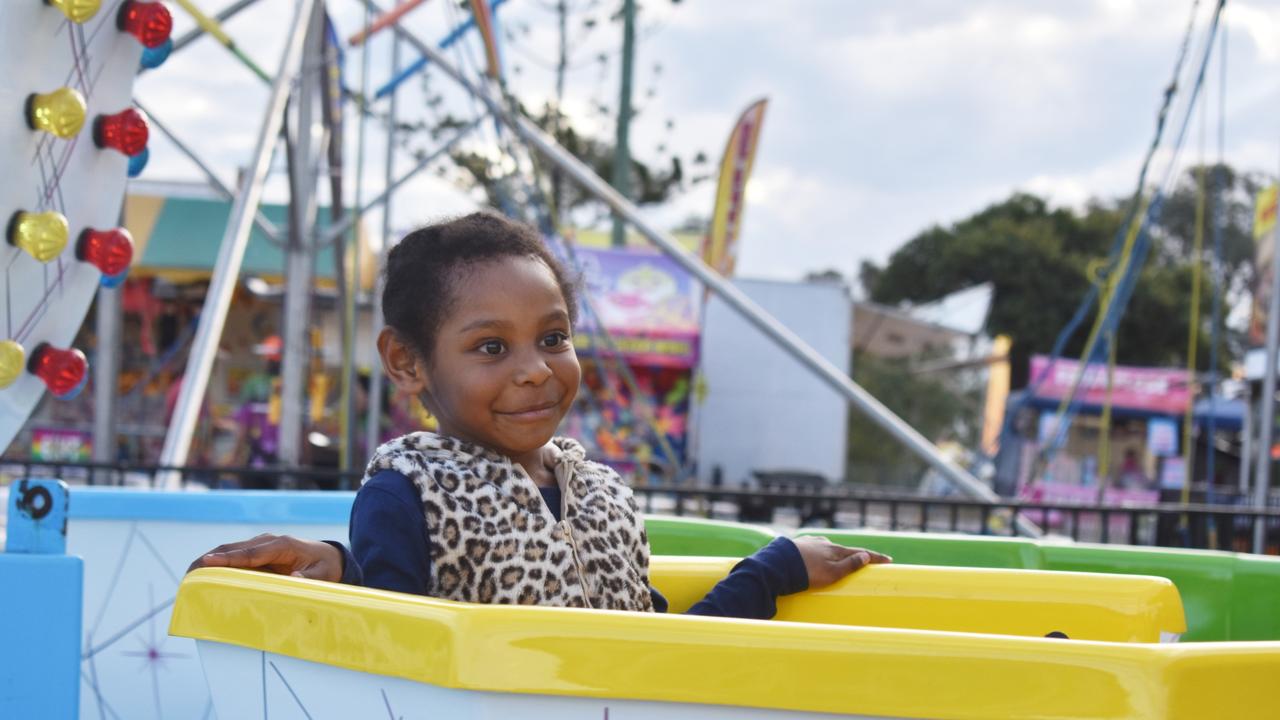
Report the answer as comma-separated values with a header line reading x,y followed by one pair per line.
x,y
111,281
138,162
153,58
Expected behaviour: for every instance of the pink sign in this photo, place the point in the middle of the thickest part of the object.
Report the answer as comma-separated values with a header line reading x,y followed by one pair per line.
x,y
1157,390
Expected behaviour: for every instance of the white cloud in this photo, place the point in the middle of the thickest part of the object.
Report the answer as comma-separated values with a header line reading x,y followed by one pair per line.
x,y
884,118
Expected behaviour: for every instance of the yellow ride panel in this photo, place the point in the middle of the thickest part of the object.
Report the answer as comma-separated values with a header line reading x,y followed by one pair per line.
x,y
1083,606
765,664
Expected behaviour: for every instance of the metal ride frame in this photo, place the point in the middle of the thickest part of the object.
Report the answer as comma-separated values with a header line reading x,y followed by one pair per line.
x,y
305,144
1213,523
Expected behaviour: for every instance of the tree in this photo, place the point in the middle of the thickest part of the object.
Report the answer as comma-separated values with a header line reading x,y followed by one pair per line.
x,y
1040,261
927,402
506,180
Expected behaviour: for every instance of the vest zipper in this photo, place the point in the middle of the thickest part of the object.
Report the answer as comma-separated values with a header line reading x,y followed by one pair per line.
x,y
568,528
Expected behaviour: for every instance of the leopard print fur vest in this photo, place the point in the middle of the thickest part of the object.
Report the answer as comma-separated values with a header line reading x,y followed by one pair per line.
x,y
494,540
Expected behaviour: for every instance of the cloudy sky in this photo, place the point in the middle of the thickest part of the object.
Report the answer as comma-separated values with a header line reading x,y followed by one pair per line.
x,y
884,118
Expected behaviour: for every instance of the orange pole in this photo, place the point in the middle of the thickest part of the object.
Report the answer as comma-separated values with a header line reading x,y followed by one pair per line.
x,y
384,21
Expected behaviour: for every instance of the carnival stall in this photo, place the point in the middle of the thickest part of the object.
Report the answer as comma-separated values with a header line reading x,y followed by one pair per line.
x,y
638,343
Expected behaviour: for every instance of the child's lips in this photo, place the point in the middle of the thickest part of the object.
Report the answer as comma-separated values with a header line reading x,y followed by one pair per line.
x,y
529,413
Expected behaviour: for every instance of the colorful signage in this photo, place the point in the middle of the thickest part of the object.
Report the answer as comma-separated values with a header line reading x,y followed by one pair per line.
x,y
55,444
1162,437
1156,390
648,304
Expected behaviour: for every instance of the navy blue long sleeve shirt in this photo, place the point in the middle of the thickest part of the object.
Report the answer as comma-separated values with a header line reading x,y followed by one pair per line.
x,y
390,550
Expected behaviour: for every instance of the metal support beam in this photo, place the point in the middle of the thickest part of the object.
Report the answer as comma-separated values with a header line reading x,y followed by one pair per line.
x,y
305,153
733,297
108,320
226,273
337,229
266,226
373,401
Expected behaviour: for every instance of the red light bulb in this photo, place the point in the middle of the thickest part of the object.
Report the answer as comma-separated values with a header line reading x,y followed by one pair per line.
x,y
126,131
110,251
150,22
63,371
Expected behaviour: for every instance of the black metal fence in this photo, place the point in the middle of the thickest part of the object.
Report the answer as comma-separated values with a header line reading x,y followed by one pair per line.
x,y
1196,525
156,476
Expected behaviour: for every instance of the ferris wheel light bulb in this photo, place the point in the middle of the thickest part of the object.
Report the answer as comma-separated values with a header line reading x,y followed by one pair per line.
x,y
110,251
138,162
77,11
64,372
60,113
149,22
43,235
154,57
12,361
125,131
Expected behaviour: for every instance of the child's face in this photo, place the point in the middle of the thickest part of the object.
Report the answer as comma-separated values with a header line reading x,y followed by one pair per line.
x,y
503,372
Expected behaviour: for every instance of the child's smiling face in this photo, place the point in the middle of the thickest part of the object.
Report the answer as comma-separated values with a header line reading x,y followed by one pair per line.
x,y
503,372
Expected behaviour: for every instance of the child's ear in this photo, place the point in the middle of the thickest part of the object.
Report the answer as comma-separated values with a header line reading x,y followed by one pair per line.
x,y
401,363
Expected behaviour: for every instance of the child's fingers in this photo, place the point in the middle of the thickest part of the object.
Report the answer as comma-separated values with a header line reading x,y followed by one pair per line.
x,y
872,556
254,553
878,558
854,561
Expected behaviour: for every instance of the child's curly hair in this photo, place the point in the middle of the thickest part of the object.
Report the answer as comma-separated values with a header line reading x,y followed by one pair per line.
x,y
418,287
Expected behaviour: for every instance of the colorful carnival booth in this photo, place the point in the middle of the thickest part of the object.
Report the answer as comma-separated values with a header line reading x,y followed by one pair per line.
x,y
638,343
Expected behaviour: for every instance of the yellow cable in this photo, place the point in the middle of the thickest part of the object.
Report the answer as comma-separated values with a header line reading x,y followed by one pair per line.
x,y
1104,451
1104,303
1193,339
205,22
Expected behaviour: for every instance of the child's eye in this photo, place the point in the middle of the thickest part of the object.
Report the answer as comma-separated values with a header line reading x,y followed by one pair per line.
x,y
492,347
555,339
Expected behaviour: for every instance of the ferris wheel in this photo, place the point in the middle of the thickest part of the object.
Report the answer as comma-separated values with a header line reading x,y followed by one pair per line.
x,y
69,137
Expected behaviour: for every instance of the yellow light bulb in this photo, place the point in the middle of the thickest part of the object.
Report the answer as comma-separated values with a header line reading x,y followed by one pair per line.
x,y
43,235
12,361
77,11
59,113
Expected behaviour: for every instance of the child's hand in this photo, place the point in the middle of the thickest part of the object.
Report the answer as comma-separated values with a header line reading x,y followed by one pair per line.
x,y
279,554
827,562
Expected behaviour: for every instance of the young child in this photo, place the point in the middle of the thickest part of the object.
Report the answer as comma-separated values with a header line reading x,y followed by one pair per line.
x,y
493,508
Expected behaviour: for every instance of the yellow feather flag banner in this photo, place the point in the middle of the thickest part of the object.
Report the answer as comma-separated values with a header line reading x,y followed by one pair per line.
x,y
719,247
484,23
1264,225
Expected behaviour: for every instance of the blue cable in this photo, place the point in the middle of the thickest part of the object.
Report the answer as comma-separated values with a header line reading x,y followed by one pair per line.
x,y
1124,288
454,36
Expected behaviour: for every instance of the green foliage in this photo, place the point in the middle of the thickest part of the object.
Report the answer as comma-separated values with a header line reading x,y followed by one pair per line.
x,y
1040,260
929,403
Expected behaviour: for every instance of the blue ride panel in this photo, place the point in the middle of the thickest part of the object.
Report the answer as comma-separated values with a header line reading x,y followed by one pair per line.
x,y
37,517
40,606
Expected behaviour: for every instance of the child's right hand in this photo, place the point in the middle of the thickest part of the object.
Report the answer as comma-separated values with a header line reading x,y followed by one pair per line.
x,y
279,554
827,562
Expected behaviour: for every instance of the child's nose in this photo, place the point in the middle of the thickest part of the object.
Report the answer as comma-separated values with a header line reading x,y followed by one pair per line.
x,y
532,369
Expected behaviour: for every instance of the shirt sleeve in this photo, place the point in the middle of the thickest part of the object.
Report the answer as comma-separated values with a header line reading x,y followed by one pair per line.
x,y
389,543
351,574
752,587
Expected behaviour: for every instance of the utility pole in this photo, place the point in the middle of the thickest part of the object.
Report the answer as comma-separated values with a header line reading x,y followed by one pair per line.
x,y
1262,480
622,151
562,67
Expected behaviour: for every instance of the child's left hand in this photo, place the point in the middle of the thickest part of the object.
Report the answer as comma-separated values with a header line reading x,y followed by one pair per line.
x,y
827,562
